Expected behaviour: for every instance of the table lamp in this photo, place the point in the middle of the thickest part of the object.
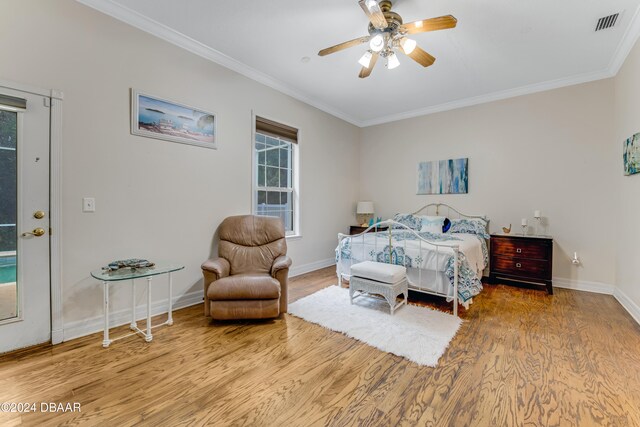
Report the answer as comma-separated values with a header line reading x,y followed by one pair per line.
x,y
364,212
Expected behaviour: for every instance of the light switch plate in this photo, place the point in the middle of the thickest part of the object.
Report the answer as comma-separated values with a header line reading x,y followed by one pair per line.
x,y
88,204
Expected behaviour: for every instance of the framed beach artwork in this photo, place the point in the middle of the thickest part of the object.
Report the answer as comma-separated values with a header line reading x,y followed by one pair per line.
x,y
631,155
159,118
443,177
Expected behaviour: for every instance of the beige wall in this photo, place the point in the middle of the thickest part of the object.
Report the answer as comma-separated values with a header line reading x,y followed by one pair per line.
x,y
549,151
157,199
627,188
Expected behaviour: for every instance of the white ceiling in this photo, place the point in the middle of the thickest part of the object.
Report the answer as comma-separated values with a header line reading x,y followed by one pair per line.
x,y
500,48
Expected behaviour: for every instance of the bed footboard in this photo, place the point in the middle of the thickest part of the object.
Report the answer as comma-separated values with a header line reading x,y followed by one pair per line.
x,y
396,256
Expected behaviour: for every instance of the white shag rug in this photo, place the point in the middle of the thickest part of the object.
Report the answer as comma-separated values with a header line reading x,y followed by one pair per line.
x,y
415,333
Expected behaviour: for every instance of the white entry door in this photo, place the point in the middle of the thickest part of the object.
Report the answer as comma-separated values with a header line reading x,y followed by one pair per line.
x,y
25,306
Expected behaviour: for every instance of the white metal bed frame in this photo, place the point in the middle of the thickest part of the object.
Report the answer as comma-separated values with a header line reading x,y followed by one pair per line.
x,y
429,244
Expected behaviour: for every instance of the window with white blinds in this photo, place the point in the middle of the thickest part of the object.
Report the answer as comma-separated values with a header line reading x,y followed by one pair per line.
x,y
275,172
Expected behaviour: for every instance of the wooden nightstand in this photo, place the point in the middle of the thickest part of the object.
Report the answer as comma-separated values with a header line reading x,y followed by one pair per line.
x,y
357,229
524,259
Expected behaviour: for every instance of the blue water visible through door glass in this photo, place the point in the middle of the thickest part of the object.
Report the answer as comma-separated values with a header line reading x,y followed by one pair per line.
x,y
7,269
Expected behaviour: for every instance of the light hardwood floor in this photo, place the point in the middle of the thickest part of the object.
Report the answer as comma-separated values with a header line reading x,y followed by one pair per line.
x,y
521,358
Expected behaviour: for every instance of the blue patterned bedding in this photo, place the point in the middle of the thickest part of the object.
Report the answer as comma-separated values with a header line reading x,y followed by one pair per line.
x,y
407,250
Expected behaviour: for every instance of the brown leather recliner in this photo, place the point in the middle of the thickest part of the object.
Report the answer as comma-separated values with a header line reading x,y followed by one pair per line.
x,y
249,279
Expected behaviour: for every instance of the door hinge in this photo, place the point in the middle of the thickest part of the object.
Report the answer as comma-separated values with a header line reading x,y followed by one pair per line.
x,y
50,231
47,102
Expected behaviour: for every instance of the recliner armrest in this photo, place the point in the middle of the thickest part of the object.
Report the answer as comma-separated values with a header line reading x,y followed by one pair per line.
x,y
219,266
280,263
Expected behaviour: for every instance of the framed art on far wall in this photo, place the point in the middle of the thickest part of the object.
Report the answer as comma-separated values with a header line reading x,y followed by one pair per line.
x,y
443,177
159,118
631,155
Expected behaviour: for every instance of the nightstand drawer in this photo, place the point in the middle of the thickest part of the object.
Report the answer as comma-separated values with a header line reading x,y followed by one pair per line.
x,y
521,248
520,267
357,229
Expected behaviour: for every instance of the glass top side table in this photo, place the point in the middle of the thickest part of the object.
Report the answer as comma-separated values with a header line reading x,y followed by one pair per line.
x,y
106,276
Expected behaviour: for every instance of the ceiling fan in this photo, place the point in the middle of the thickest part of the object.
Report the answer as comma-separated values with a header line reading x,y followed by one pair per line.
x,y
387,34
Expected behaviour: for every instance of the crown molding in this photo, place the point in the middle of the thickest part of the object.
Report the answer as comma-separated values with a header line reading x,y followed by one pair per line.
x,y
148,25
627,42
137,20
490,97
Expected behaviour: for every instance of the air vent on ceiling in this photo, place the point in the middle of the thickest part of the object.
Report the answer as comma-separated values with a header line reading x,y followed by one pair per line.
x,y
607,22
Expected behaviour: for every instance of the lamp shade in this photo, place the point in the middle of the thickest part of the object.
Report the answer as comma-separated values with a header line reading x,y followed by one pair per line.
x,y
408,45
365,207
392,61
365,61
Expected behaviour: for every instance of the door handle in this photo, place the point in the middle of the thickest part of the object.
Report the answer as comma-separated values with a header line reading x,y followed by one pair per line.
x,y
36,232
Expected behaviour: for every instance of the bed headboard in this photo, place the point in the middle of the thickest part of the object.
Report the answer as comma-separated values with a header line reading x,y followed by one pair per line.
x,y
446,210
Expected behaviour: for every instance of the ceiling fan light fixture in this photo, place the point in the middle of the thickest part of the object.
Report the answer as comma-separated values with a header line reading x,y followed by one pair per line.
x,y
365,60
392,61
408,45
388,35
377,43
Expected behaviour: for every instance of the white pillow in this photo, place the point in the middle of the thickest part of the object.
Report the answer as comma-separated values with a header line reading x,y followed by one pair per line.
x,y
432,224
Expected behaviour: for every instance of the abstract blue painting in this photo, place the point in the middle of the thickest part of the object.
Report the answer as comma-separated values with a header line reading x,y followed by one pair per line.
x,y
443,177
631,155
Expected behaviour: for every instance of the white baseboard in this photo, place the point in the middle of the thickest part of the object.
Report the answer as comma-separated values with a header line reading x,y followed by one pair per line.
x,y
57,336
90,326
583,285
81,328
297,270
628,304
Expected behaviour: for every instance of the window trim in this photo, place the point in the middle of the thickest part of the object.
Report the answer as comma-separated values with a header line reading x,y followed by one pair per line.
x,y
295,163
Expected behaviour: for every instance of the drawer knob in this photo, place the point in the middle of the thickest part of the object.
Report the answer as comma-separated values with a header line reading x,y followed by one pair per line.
x,y
518,265
519,250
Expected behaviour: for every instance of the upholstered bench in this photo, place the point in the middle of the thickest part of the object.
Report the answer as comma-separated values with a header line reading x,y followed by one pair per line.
x,y
379,278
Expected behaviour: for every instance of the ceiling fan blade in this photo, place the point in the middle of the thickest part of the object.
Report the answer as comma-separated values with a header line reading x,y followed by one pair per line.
x,y
366,71
420,56
431,24
374,13
342,46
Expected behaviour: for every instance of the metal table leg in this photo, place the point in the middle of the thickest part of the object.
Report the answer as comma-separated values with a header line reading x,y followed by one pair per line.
x,y
105,340
170,314
148,337
134,324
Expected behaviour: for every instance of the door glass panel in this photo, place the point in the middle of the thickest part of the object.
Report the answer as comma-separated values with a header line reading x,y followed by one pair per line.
x,y
8,214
